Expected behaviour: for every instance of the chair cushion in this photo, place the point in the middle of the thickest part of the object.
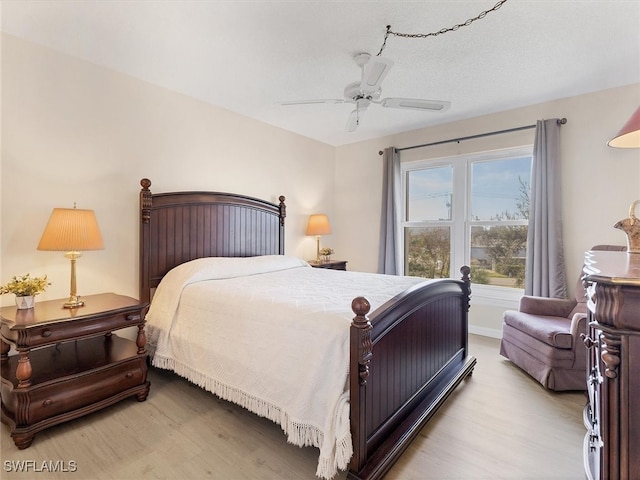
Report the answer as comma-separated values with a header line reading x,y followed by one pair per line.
x,y
554,331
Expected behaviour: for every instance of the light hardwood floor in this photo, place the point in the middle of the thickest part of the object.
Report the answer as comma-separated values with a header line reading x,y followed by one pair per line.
x,y
498,424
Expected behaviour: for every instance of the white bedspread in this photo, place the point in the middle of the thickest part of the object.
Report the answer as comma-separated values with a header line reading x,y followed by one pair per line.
x,y
272,335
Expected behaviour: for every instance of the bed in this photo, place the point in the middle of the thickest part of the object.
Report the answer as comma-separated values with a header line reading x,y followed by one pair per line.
x,y
380,364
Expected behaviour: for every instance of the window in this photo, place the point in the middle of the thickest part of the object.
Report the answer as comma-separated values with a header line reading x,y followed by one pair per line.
x,y
472,210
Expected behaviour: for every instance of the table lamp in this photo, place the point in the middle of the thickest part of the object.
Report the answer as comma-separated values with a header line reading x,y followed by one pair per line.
x,y
72,230
318,225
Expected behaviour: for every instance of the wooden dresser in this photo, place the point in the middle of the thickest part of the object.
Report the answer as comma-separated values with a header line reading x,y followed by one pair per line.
x,y
612,414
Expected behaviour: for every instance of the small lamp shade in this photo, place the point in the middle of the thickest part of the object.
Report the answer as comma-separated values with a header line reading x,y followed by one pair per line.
x,y
629,135
318,225
71,230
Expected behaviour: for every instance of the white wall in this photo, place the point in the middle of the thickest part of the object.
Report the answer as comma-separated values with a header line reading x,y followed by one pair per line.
x,y
598,182
76,132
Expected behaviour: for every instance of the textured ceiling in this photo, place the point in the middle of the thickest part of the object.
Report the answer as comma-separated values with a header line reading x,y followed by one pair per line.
x,y
247,56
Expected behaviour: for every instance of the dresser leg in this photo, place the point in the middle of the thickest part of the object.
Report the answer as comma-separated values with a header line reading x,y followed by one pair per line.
x,y
142,396
23,441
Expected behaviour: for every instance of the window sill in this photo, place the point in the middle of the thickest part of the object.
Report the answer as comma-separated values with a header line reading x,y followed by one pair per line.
x,y
505,297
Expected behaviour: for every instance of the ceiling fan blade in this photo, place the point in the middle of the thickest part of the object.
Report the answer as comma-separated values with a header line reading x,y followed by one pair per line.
x,y
312,102
415,104
354,120
374,73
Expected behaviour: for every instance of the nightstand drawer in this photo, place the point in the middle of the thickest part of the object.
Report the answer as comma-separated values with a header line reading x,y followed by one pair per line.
x,y
76,392
48,323
47,335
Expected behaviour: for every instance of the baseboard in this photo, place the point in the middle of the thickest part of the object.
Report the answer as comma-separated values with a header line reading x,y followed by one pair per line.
x,y
485,332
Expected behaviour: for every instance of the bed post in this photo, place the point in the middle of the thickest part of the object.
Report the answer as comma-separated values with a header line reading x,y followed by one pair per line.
x,y
282,214
361,353
145,217
466,304
466,278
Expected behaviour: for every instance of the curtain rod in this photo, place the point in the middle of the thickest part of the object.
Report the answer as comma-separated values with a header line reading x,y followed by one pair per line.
x,y
560,121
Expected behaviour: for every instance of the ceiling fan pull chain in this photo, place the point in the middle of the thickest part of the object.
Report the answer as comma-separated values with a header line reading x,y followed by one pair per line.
x,y
442,30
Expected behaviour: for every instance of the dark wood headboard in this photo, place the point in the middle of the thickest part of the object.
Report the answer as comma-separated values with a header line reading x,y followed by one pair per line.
x,y
178,227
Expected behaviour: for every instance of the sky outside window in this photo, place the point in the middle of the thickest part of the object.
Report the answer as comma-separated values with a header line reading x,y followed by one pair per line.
x,y
430,193
496,187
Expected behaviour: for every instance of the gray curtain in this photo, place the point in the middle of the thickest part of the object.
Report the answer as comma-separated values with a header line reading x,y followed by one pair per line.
x,y
389,260
545,271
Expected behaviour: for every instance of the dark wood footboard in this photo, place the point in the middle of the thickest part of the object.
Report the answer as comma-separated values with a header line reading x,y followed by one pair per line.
x,y
406,359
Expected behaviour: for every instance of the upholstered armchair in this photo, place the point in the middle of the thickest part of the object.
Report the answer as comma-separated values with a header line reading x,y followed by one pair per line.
x,y
543,338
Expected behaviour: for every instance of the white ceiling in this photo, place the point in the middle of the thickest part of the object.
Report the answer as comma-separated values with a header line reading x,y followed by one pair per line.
x,y
247,56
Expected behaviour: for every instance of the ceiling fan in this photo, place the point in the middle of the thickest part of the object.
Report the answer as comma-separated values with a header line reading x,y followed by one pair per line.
x,y
368,91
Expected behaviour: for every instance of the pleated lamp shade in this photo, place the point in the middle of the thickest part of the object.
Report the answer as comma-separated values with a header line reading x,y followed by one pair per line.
x,y
71,230
318,225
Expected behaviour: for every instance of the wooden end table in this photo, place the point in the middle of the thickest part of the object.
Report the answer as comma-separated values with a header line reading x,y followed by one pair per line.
x,y
331,264
68,363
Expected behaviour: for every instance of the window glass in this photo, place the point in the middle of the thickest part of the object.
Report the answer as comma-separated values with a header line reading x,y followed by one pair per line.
x,y
429,194
500,189
468,210
428,251
498,255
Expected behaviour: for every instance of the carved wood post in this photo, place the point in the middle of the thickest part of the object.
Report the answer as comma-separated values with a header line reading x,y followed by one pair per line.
x,y
607,302
145,200
145,218
466,278
466,305
24,370
361,354
361,307
283,213
283,209
141,339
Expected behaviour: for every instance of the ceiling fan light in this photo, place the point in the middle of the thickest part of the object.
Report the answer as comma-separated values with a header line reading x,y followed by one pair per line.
x,y
362,104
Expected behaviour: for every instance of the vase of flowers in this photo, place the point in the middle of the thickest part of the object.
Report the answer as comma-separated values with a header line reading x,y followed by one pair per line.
x,y
25,288
325,254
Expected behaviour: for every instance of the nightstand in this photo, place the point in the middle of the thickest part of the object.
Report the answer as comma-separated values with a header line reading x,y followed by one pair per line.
x,y
68,363
331,264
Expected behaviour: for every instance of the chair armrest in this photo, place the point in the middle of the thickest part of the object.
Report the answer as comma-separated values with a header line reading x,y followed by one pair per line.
x,y
578,325
551,307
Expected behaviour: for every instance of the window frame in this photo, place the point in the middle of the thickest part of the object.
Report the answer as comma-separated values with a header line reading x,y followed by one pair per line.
x,y
461,207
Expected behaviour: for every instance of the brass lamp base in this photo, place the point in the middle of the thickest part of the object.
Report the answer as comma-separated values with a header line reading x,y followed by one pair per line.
x,y
74,299
74,302
317,249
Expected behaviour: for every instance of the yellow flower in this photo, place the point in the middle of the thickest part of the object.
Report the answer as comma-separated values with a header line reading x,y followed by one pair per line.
x,y
25,285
